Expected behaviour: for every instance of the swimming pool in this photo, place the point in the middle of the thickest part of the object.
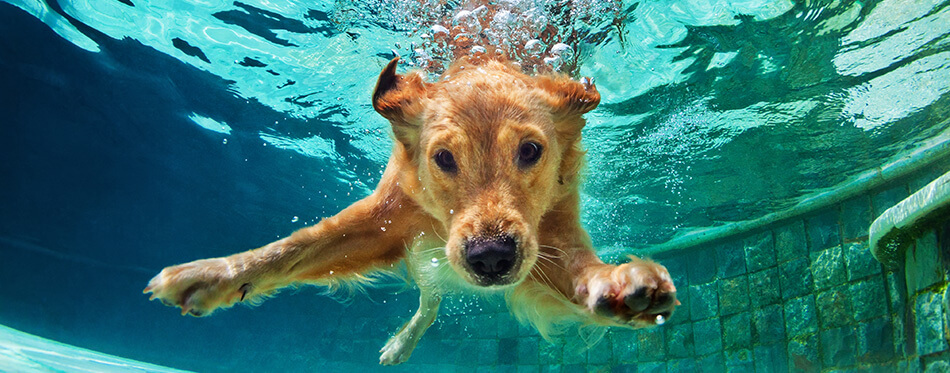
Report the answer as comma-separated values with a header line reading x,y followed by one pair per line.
x,y
140,134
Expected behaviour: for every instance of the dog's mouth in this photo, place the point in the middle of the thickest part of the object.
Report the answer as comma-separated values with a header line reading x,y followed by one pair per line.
x,y
493,261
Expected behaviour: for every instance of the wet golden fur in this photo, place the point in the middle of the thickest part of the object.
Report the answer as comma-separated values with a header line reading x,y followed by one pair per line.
x,y
482,111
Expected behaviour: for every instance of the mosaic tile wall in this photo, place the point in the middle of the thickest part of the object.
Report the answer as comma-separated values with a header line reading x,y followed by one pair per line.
x,y
805,295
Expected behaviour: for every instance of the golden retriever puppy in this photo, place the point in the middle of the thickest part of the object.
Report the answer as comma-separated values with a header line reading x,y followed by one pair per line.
x,y
481,192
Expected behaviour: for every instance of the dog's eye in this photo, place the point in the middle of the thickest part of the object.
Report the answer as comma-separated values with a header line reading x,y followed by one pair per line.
x,y
528,154
445,161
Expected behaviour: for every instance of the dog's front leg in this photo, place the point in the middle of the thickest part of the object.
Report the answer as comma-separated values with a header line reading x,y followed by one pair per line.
x,y
400,346
371,233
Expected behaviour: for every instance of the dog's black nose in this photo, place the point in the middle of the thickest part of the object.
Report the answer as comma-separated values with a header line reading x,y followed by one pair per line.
x,y
491,258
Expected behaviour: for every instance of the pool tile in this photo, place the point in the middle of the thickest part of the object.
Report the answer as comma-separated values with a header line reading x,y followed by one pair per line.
x,y
703,301
759,251
733,295
800,316
707,336
764,288
838,347
868,298
737,331
796,278
790,242
730,257
834,307
822,230
769,324
860,262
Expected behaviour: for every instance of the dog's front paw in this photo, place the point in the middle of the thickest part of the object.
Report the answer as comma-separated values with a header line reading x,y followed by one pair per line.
x,y
639,293
198,288
397,350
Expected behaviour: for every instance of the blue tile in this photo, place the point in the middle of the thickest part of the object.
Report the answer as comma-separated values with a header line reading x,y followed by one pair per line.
x,y
529,369
838,347
682,365
550,353
800,316
528,351
790,242
822,230
678,269
507,326
708,334
759,251
868,298
471,357
827,268
573,368
733,295
487,351
574,350
771,358
730,257
701,266
856,218
599,354
652,344
923,264
795,277
712,363
834,307
896,291
939,364
703,301
507,351
680,340
803,354
624,368
739,361
624,345
651,367
769,324
737,331
763,287
930,323
860,262
875,341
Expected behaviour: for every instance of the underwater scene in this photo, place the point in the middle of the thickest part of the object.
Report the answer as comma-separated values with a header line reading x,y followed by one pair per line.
x,y
746,145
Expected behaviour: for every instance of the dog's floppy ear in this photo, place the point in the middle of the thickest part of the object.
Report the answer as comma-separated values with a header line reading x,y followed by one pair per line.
x,y
569,100
399,99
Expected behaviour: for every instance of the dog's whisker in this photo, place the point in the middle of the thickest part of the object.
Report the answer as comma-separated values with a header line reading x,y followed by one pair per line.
x,y
436,232
554,264
554,248
545,279
552,261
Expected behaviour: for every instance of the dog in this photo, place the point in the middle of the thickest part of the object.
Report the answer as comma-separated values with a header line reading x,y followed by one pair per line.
x,y
481,192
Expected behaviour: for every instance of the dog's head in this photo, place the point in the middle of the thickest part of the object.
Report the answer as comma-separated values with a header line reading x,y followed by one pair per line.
x,y
487,151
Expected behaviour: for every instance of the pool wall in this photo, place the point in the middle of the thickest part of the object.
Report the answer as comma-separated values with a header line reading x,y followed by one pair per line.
x,y
800,294
805,294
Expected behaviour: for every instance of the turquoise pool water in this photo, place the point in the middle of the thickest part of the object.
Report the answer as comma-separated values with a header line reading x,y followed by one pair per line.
x,y
138,134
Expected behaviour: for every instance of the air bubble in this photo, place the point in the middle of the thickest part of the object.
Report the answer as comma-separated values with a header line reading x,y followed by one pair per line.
x,y
294,220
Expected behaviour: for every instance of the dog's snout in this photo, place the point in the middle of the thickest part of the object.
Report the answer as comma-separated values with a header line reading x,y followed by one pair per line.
x,y
492,259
